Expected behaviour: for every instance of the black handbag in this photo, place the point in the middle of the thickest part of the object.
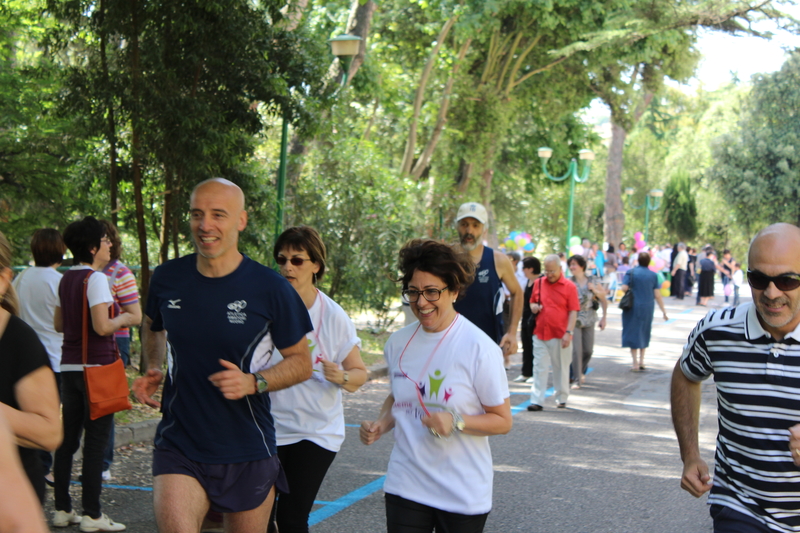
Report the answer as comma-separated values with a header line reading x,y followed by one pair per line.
x,y
626,302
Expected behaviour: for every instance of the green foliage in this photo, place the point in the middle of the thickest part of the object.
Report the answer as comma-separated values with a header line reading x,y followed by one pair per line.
x,y
680,209
756,166
364,215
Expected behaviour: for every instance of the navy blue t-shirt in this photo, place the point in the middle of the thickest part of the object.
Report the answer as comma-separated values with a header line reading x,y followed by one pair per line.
x,y
242,318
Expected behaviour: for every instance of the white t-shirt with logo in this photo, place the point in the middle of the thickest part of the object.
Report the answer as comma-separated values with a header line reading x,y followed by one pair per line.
x,y
312,410
37,289
464,373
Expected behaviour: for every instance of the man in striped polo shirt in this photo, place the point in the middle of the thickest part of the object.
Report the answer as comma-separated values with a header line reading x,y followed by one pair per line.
x,y
753,350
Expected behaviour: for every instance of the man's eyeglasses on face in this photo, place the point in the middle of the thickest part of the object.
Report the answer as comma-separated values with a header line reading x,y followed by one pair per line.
x,y
783,282
432,295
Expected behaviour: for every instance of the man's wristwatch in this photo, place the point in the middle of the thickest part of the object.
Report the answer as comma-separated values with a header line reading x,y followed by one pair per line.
x,y
261,383
569,332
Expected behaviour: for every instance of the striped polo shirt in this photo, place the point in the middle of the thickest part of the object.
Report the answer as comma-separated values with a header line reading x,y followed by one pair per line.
x,y
758,396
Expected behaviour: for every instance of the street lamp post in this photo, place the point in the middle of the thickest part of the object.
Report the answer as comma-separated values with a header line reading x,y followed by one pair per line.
x,y
648,205
572,173
344,47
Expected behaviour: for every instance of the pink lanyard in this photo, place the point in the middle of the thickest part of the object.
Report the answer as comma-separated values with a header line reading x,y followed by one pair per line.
x,y
427,363
317,329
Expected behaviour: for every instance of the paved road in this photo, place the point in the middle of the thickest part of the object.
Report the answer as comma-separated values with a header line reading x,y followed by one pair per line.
x,y
608,463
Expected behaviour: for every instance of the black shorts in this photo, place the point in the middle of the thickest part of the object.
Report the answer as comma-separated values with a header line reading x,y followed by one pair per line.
x,y
231,488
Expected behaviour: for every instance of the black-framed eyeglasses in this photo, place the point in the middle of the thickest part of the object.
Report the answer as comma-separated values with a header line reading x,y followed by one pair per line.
x,y
784,282
432,295
296,261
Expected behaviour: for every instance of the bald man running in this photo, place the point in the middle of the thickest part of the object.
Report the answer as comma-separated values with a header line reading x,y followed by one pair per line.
x,y
217,316
753,351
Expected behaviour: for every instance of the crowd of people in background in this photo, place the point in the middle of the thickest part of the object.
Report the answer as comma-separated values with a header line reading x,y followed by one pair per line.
x,y
467,301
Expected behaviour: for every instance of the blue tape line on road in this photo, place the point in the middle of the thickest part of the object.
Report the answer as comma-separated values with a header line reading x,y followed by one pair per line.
x,y
671,320
345,501
120,487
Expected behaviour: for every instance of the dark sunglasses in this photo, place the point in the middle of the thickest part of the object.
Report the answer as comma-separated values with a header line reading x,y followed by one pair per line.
x,y
784,282
296,261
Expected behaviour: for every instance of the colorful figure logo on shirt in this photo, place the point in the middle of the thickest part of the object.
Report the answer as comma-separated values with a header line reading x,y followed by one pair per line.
x,y
436,382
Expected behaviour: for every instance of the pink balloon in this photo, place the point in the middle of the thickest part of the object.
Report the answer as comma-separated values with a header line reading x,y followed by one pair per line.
x,y
638,236
576,250
639,245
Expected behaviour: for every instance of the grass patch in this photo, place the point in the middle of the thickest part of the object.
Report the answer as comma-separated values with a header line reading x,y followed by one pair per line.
x,y
372,345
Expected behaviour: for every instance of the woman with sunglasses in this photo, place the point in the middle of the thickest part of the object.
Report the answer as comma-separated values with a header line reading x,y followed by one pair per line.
x,y
449,393
309,418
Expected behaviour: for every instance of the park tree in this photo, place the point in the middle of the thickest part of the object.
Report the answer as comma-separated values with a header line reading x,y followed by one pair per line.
x,y
680,209
193,83
756,167
640,46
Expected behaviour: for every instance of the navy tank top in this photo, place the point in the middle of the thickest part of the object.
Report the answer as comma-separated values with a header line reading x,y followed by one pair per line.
x,y
482,303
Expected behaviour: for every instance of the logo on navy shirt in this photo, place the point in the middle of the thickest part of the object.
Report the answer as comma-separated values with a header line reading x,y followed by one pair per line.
x,y
235,314
483,276
173,304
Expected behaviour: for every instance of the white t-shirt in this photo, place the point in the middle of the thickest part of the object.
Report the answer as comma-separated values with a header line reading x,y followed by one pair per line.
x,y
312,410
97,291
37,288
465,373
738,278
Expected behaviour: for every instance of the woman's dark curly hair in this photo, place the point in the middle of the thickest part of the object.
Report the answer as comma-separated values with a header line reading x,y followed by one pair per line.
x,y
456,269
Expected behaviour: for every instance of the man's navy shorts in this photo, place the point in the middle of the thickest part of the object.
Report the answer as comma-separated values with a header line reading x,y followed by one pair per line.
x,y
230,488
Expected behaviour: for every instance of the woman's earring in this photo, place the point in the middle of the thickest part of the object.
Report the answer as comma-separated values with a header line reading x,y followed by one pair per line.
x,y
315,277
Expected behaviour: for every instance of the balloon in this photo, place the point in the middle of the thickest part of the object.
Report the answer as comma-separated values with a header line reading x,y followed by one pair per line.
x,y
640,245
529,247
659,276
510,245
521,241
660,263
574,241
638,236
527,236
575,249
665,292
666,284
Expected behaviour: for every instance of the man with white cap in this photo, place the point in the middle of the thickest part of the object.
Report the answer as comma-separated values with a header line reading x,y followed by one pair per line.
x,y
482,303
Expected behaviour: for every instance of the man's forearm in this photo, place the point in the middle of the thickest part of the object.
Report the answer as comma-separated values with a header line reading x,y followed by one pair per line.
x,y
290,371
154,346
516,313
573,316
685,400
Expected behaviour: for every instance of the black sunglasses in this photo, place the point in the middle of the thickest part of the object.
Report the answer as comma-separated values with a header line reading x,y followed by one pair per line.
x,y
296,261
784,282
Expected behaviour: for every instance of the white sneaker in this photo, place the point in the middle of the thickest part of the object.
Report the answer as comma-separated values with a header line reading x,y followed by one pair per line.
x,y
106,475
519,379
64,519
530,380
104,523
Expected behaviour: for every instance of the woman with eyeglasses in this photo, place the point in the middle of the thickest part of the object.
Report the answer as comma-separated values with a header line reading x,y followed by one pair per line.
x,y
309,418
449,393
81,285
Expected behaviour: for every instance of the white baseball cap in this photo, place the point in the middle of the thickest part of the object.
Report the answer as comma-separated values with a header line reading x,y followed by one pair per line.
x,y
474,210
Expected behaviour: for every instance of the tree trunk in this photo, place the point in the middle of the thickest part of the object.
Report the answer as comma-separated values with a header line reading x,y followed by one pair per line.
x,y
166,214
293,11
614,215
111,132
486,198
136,157
359,23
411,143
